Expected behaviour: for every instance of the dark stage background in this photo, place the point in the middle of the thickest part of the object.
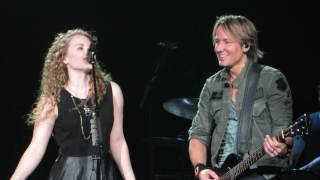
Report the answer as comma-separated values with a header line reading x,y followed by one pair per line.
x,y
128,33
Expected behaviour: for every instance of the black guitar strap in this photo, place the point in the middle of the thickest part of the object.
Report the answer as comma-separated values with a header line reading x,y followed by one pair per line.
x,y
245,117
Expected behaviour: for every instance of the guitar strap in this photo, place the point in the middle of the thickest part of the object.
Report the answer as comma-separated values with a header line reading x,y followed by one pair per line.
x,y
245,117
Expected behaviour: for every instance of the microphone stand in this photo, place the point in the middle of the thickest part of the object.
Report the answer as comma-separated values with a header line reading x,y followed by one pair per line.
x,y
96,141
152,80
149,87
167,46
146,94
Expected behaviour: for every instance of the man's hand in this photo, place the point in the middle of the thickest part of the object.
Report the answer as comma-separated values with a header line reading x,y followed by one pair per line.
x,y
208,174
273,147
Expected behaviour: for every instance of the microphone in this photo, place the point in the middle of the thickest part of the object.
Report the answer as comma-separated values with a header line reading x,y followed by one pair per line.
x,y
92,57
168,45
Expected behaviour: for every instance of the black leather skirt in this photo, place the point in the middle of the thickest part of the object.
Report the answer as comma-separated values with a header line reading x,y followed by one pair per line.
x,y
82,168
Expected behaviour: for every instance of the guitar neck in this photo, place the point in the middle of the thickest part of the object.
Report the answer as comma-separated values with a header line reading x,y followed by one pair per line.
x,y
246,163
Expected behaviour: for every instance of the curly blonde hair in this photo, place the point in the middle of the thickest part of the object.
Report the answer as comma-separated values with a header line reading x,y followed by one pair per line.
x,y
55,74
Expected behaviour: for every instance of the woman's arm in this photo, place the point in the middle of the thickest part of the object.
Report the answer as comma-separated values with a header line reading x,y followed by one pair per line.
x,y
118,144
37,147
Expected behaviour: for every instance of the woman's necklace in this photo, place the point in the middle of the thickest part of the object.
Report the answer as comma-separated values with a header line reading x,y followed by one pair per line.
x,y
87,111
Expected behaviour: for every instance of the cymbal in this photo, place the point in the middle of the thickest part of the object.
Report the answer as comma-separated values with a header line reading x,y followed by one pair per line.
x,y
182,107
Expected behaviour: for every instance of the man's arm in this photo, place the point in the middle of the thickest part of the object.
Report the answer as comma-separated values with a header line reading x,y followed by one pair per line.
x,y
197,152
280,108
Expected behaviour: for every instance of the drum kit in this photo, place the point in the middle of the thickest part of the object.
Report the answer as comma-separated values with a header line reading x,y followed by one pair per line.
x,y
184,108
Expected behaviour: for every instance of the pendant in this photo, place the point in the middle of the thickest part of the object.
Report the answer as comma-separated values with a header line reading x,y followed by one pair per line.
x,y
87,111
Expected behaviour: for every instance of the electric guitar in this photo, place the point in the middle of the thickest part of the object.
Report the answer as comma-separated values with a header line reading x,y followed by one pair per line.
x,y
234,165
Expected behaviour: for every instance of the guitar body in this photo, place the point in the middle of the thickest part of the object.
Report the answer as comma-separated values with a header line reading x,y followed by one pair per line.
x,y
231,161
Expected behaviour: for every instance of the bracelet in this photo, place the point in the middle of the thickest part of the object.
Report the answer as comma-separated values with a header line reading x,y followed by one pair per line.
x,y
199,167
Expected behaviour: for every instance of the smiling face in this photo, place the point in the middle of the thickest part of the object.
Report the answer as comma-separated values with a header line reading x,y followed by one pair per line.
x,y
228,49
77,54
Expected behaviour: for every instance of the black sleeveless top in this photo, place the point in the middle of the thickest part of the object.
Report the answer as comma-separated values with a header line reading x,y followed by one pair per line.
x,y
68,132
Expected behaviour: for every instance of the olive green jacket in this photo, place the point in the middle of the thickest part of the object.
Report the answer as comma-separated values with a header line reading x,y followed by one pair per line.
x,y
272,111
